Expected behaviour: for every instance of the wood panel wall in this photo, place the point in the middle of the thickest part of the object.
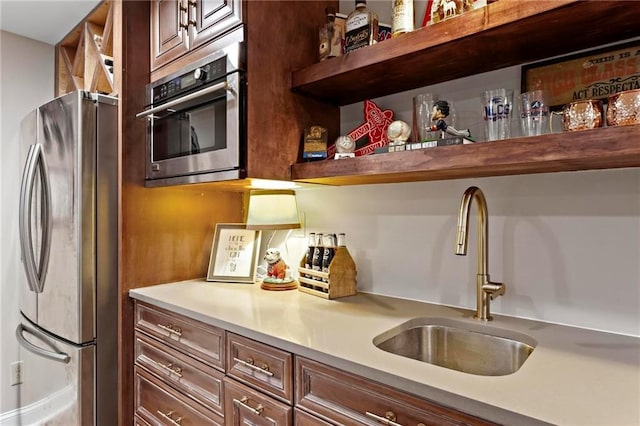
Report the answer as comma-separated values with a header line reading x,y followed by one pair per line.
x,y
281,37
165,234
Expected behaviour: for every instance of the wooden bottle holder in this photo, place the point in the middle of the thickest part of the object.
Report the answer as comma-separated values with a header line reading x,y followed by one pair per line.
x,y
340,281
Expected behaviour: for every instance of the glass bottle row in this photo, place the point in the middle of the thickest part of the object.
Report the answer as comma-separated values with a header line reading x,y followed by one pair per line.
x,y
321,250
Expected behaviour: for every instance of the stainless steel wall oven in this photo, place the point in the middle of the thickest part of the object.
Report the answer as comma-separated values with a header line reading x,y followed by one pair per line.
x,y
196,119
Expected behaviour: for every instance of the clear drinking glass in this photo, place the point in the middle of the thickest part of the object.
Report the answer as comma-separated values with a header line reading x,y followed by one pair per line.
x,y
497,112
534,113
422,107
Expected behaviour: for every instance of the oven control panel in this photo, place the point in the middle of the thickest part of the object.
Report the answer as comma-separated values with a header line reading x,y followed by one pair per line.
x,y
190,80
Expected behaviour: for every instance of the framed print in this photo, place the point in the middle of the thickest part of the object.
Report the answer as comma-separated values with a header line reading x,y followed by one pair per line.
x,y
595,74
234,253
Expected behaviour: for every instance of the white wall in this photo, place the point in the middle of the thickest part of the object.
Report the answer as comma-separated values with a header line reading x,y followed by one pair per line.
x,y
26,80
567,245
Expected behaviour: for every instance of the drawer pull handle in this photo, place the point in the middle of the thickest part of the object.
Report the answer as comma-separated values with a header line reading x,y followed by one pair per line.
x,y
244,403
388,419
172,369
173,329
250,364
169,416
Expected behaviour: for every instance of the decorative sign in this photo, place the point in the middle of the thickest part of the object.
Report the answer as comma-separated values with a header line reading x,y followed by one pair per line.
x,y
372,133
234,254
591,75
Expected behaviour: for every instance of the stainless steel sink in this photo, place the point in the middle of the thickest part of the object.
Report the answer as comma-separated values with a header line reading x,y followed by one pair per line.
x,y
458,345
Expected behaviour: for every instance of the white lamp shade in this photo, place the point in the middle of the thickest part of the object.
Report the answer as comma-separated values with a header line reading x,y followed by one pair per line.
x,y
272,209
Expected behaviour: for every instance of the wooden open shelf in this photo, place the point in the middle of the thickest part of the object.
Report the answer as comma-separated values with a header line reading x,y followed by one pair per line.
x,y
82,53
605,148
505,33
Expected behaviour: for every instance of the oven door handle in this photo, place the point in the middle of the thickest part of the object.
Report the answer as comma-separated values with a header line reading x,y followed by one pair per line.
x,y
186,98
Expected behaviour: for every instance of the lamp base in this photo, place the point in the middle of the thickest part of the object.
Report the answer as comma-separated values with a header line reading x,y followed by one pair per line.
x,y
278,285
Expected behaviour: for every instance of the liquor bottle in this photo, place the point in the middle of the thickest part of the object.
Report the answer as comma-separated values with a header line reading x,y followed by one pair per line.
x,y
308,257
329,252
401,17
330,37
318,252
361,27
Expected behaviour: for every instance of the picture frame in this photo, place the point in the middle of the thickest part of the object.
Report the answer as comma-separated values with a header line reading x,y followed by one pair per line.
x,y
593,74
234,253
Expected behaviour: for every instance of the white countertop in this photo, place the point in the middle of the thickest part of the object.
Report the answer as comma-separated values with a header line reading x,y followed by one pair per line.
x,y
573,377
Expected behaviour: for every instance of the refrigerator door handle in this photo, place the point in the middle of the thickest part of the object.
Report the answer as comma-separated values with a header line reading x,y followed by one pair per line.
x,y
54,355
35,273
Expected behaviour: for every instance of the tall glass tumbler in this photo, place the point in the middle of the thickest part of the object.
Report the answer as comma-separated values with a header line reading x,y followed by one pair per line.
x,y
534,113
497,112
422,108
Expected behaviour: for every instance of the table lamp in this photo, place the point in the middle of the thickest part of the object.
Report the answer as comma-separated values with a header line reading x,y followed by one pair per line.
x,y
274,209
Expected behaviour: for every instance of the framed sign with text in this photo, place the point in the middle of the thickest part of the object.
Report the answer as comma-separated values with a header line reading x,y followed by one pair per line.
x,y
588,75
234,253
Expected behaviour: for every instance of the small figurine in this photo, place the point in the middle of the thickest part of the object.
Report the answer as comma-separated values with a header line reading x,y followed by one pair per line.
x,y
276,268
438,114
278,273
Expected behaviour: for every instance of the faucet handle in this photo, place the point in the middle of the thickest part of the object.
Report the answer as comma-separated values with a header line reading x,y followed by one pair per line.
x,y
493,289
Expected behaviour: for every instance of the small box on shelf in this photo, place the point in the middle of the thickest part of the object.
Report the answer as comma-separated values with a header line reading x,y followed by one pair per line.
x,y
340,281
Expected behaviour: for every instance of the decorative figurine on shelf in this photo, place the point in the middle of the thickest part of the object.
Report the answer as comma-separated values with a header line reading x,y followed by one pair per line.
x,y
278,273
441,111
345,145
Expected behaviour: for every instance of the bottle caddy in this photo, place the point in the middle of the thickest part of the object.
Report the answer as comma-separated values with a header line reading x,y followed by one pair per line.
x,y
338,279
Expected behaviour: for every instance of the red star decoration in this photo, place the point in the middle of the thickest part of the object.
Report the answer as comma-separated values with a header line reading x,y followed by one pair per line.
x,y
375,126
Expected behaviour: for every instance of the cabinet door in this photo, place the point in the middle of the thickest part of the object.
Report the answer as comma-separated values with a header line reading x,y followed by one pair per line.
x,y
169,38
246,406
211,18
344,398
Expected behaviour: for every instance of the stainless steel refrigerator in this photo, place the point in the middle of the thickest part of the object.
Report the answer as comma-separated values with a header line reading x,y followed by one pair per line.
x,y
68,225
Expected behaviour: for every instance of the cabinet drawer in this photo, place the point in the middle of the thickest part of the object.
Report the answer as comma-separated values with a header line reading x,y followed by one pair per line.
x,y
344,398
158,404
199,340
302,418
199,381
246,406
260,365
137,421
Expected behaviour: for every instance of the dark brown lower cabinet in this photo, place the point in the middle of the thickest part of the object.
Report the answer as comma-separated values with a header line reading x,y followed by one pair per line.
x,y
245,406
343,398
191,373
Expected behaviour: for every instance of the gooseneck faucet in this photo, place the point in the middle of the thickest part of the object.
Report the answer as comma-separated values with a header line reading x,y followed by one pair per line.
x,y
485,289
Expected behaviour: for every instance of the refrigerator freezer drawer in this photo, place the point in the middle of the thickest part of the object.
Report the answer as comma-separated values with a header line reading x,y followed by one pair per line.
x,y
66,397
